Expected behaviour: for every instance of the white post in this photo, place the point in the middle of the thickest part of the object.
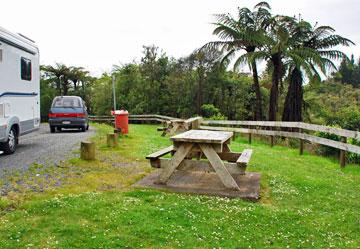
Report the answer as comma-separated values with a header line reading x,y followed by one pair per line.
x,y
113,86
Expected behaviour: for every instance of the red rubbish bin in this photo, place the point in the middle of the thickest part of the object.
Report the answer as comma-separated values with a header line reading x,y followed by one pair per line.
x,y
121,120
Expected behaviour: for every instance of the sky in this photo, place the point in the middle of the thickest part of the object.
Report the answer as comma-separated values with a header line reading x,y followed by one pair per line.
x,y
98,34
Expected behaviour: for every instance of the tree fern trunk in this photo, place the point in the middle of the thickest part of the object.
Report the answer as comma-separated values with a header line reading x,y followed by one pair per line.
x,y
294,98
274,92
258,107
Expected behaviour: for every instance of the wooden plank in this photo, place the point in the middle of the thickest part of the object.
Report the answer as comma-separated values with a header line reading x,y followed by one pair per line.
x,y
332,143
219,167
225,156
252,131
151,116
217,147
194,123
331,130
203,136
160,153
307,137
245,157
305,126
193,165
147,119
252,123
175,161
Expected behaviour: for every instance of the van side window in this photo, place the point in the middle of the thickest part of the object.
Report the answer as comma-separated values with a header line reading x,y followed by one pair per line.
x,y
25,69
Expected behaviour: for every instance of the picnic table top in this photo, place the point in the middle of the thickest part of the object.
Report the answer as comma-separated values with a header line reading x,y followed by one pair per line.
x,y
203,136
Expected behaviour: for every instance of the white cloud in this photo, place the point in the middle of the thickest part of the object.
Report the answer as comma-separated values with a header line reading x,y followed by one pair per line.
x,y
98,34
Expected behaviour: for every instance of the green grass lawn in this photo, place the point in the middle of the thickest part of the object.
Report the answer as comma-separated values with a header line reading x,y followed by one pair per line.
x,y
307,202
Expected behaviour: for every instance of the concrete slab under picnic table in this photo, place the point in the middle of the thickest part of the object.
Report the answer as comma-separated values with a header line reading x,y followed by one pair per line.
x,y
206,183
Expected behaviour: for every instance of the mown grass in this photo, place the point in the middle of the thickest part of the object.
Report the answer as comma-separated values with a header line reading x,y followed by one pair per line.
x,y
307,202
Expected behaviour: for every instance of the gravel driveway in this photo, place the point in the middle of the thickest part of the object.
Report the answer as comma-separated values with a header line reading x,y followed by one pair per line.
x,y
43,147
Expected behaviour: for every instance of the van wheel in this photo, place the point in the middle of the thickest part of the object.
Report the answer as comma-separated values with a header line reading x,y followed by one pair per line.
x,y
10,145
83,128
52,129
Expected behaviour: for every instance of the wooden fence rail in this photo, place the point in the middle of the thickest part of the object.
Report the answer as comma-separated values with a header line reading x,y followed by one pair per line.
x,y
297,131
268,128
300,125
148,118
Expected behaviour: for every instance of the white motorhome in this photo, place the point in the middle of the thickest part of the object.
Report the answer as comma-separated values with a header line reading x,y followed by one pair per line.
x,y
19,89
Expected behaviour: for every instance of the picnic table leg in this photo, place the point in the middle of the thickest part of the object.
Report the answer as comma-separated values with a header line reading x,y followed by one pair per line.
x,y
174,128
175,161
219,167
226,148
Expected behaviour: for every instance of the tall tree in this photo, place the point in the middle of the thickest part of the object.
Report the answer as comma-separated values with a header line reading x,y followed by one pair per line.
x,y
244,33
76,75
203,62
315,51
60,72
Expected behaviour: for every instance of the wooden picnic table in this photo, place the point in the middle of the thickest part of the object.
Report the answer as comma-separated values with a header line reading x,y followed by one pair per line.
x,y
212,145
175,126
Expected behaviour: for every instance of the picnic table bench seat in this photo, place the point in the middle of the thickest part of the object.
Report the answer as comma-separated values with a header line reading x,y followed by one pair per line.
x,y
236,162
154,157
244,158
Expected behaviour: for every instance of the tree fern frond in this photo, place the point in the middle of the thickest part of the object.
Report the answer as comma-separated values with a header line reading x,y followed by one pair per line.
x,y
332,41
263,4
332,54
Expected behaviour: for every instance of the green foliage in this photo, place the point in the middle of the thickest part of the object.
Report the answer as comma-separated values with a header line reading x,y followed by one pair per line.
x,y
163,85
349,72
211,112
337,105
63,80
332,103
208,110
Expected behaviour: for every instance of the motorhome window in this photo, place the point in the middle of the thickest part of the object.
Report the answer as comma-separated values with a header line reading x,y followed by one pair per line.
x,y
67,102
25,69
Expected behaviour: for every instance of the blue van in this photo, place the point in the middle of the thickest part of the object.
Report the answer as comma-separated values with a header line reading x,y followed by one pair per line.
x,y
68,112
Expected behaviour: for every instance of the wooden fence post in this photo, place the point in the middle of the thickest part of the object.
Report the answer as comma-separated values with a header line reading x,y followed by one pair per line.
x,y
249,134
301,144
112,140
87,150
196,123
234,136
343,154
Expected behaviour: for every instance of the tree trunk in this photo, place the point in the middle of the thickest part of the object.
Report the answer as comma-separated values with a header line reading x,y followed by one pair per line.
x,y
274,92
65,86
294,98
75,85
258,107
200,91
58,85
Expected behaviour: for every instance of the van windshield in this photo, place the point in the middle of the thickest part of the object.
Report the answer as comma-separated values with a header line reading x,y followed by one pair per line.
x,y
66,102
